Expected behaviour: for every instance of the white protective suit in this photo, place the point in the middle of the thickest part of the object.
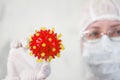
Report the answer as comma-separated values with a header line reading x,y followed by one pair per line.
x,y
22,66
95,10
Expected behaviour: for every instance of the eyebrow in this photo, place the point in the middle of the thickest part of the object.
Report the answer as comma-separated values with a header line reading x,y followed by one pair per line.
x,y
95,27
115,25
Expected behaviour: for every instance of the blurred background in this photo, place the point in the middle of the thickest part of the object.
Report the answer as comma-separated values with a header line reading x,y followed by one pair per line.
x,y
20,18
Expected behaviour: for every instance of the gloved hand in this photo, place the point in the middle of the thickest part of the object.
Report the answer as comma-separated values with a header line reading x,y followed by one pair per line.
x,y
15,44
36,74
44,71
39,73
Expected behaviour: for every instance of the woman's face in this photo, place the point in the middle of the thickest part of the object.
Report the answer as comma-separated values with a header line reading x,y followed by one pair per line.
x,y
102,27
101,48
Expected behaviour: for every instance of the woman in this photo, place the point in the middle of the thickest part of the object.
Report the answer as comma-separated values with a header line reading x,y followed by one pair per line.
x,y
22,66
100,40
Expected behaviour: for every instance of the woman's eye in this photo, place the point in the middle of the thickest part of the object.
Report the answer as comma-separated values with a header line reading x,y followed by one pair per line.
x,y
118,32
93,35
115,33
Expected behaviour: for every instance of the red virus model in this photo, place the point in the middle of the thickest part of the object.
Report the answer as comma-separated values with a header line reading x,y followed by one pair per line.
x,y
45,44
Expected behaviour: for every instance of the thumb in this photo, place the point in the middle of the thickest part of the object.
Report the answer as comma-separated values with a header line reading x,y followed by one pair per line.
x,y
45,68
44,71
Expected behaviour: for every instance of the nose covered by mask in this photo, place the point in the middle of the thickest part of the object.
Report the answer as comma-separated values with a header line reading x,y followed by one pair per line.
x,y
103,58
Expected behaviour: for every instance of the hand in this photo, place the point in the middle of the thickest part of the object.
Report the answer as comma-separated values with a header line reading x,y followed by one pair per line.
x,y
15,44
44,71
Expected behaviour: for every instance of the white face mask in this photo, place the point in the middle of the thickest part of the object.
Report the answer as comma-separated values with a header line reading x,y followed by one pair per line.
x,y
103,58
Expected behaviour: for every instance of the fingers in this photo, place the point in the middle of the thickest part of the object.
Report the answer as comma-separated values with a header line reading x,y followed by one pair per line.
x,y
46,69
15,44
25,42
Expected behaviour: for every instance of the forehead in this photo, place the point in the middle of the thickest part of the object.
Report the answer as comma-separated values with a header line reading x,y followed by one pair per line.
x,y
104,23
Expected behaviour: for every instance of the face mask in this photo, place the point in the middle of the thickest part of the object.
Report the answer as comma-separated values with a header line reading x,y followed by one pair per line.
x,y
103,58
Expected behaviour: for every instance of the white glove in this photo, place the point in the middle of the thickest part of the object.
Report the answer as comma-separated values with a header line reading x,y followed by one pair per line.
x,y
37,74
23,73
24,43
44,71
15,44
